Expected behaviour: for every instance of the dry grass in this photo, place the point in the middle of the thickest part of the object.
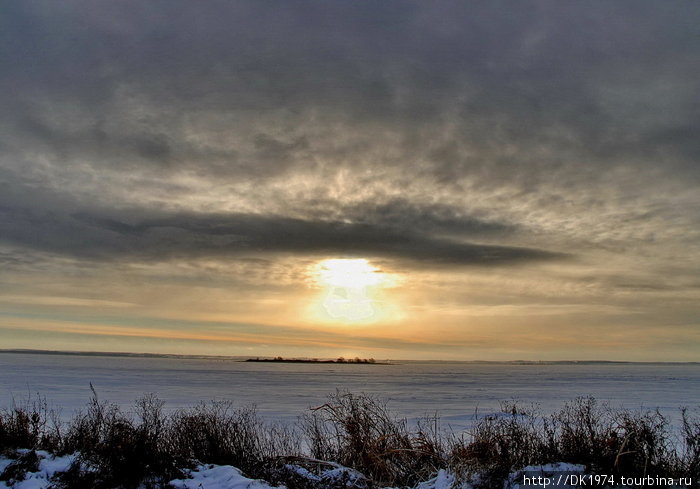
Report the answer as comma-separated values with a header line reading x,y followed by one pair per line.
x,y
146,447
30,424
360,432
605,440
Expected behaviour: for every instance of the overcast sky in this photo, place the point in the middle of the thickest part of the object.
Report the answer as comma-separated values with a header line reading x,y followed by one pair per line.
x,y
525,174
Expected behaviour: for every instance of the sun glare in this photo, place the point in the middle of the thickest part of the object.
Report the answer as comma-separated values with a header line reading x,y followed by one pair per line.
x,y
350,288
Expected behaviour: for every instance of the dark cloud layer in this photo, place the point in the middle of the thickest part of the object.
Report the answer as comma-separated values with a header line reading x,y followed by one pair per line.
x,y
89,235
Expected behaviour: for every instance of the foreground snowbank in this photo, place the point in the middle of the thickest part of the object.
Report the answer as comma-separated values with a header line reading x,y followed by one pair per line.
x,y
217,477
203,477
227,477
49,465
210,476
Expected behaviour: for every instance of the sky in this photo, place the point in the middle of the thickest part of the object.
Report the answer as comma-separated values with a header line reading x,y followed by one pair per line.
x,y
486,180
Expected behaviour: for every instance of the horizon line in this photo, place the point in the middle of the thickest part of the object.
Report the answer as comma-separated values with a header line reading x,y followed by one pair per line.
x,y
237,357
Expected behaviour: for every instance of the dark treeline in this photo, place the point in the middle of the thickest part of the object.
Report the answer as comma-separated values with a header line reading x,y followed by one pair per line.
x,y
146,447
370,361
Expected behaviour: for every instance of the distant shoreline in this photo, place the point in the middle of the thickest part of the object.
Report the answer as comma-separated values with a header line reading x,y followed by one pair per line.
x,y
391,361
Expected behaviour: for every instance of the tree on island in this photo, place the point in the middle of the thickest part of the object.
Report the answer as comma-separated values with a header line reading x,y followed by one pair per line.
x,y
343,360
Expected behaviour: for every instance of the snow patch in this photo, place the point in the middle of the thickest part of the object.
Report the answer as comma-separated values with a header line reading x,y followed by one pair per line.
x,y
218,477
443,480
49,465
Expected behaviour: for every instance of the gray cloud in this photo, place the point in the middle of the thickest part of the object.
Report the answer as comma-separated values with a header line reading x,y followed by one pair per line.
x,y
90,235
501,75
549,105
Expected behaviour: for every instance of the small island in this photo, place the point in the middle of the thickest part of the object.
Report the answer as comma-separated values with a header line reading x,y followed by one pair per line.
x,y
356,360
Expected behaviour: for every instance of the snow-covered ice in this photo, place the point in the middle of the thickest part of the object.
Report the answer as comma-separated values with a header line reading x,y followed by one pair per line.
x,y
281,392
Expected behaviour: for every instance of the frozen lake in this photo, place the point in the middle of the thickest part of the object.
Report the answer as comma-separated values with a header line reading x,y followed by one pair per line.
x,y
283,391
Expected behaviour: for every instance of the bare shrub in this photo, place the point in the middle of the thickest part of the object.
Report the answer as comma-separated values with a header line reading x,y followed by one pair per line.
x,y
29,424
689,458
642,444
116,451
605,440
586,433
360,432
497,443
218,433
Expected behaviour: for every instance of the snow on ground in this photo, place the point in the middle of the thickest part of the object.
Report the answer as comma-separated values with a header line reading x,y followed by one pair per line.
x,y
41,479
203,477
4,462
218,477
334,475
227,477
443,480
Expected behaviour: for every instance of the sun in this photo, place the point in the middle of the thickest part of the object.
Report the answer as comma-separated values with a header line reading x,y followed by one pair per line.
x,y
350,285
353,273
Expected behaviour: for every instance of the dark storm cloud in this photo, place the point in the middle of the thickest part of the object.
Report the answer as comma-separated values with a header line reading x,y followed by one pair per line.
x,y
435,218
83,234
